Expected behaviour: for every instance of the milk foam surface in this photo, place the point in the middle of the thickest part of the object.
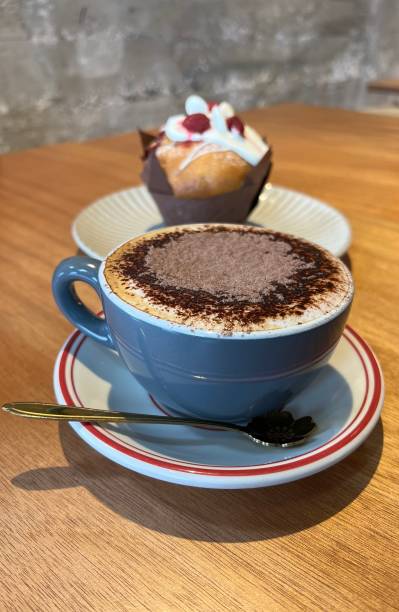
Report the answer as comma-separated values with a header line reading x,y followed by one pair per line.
x,y
227,278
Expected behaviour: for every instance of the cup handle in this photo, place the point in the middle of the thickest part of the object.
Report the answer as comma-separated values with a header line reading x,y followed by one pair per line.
x,y
84,269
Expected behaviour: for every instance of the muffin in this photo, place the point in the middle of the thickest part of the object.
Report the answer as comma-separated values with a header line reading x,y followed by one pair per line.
x,y
206,165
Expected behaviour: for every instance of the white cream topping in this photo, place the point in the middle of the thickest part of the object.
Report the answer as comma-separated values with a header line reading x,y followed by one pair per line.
x,y
196,104
248,146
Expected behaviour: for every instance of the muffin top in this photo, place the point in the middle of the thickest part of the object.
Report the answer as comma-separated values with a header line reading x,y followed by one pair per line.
x,y
209,127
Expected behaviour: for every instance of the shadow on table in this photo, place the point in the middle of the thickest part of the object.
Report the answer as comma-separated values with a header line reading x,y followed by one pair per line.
x,y
207,514
347,261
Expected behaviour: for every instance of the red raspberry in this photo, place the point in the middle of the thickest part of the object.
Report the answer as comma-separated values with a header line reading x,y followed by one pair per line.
x,y
236,124
196,123
211,104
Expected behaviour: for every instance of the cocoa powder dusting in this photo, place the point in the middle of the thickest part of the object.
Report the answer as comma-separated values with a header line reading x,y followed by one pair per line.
x,y
236,276
232,266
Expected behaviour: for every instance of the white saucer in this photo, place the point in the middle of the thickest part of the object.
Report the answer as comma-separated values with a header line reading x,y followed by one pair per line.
x,y
119,216
345,401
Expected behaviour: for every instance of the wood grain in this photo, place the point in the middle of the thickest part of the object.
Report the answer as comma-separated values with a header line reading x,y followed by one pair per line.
x,y
384,85
80,533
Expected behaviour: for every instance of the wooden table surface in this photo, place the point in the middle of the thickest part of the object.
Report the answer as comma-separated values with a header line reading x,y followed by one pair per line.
x,y
81,533
384,85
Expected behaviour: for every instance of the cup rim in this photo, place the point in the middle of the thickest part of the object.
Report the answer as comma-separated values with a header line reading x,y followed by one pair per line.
x,y
204,333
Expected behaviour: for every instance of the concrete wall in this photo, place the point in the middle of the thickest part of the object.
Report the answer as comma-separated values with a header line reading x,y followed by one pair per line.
x,y
73,69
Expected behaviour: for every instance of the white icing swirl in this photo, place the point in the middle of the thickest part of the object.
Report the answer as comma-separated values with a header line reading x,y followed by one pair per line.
x,y
195,104
248,146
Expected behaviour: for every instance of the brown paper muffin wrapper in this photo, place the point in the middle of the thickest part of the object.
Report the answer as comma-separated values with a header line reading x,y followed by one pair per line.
x,y
232,207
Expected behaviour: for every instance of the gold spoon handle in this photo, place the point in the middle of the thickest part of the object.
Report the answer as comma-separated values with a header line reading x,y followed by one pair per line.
x,y
38,410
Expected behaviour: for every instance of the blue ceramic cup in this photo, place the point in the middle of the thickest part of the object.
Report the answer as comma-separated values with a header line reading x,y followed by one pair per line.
x,y
196,372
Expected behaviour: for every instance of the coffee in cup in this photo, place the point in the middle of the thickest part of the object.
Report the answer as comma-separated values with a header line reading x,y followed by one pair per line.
x,y
226,278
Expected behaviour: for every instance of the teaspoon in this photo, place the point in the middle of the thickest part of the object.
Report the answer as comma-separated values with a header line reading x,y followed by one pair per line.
x,y
278,428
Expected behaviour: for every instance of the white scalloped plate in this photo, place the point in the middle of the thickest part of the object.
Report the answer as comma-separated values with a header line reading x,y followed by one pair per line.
x,y
119,216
